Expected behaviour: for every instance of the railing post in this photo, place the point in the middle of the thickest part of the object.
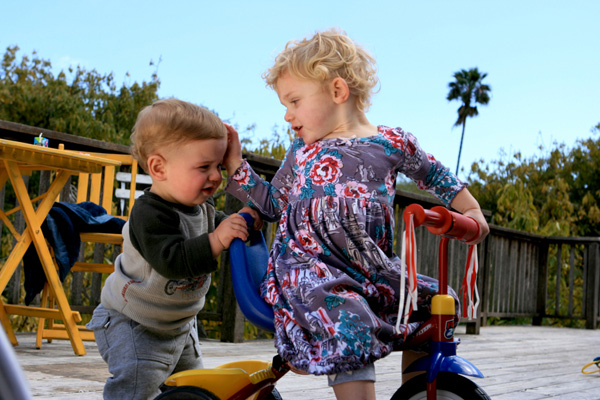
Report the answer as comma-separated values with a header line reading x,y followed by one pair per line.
x,y
592,282
232,327
542,283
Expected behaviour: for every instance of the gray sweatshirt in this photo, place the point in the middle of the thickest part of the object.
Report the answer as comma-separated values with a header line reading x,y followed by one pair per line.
x,y
162,276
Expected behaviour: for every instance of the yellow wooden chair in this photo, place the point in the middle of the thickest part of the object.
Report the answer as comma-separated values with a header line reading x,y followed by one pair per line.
x,y
98,188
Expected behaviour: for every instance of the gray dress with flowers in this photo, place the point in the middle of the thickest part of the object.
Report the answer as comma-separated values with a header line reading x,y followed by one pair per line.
x,y
333,278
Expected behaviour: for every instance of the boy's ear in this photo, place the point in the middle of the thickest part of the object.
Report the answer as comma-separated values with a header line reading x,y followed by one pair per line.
x,y
156,167
340,90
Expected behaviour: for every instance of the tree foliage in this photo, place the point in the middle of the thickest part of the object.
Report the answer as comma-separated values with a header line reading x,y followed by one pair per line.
x,y
80,102
555,194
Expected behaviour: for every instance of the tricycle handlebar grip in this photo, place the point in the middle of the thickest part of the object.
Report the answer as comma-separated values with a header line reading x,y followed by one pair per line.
x,y
463,228
438,221
441,221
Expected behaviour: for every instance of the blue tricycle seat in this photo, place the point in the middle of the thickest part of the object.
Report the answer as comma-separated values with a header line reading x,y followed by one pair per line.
x,y
248,266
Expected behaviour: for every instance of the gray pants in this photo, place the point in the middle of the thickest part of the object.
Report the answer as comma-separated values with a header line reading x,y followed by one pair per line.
x,y
140,359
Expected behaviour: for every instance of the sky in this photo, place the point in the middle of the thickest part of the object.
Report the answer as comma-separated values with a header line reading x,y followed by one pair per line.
x,y
542,60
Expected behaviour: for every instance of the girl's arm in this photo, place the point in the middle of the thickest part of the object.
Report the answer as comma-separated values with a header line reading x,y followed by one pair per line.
x,y
465,203
268,198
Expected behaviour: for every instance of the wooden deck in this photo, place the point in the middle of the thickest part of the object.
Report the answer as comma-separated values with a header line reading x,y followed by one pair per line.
x,y
521,362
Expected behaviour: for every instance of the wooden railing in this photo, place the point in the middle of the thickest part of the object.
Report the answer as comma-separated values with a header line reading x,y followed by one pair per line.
x,y
521,275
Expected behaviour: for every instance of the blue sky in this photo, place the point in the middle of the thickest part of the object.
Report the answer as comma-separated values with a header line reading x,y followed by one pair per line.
x,y
542,59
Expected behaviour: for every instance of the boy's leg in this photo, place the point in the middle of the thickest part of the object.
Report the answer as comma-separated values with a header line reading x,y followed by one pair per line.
x,y
354,385
191,356
139,358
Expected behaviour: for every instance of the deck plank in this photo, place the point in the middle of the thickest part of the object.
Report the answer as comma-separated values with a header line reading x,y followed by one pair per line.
x,y
519,362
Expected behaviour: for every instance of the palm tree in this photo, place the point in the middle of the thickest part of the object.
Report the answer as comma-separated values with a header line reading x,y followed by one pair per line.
x,y
469,89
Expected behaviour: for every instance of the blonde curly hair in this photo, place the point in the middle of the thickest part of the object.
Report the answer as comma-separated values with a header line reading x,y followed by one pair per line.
x,y
325,56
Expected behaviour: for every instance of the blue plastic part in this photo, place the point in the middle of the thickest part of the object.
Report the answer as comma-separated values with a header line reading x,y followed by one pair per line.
x,y
248,266
443,358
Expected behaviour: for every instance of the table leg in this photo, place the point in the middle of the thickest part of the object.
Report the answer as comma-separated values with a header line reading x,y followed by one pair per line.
x,y
9,267
34,221
7,271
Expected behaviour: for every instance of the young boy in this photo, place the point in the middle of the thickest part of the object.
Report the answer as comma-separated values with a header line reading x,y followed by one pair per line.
x,y
145,326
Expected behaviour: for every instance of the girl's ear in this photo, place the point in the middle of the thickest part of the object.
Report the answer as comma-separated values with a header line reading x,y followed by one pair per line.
x,y
156,167
340,90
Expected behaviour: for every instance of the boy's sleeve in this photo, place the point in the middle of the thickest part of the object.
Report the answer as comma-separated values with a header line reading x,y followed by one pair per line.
x,y
154,232
220,216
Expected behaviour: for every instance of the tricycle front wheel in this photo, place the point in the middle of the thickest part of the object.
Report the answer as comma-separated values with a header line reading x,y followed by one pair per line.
x,y
186,393
449,387
196,393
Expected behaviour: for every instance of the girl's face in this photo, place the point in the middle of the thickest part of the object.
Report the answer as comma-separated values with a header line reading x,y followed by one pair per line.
x,y
191,172
310,107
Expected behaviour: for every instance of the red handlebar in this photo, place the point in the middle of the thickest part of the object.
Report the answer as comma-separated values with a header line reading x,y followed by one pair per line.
x,y
441,221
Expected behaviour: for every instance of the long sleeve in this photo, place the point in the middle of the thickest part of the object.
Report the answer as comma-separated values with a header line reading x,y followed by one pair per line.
x,y
155,230
270,199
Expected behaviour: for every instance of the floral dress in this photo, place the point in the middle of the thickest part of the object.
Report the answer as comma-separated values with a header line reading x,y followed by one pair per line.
x,y
332,278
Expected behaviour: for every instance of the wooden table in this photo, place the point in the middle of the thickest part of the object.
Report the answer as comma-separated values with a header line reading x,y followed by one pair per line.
x,y
18,159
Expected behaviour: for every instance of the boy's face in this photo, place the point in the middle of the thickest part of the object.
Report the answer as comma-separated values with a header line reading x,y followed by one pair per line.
x,y
310,107
191,172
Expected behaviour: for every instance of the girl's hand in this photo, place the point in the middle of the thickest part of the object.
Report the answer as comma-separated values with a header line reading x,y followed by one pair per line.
x,y
258,222
465,203
233,156
296,370
484,229
232,227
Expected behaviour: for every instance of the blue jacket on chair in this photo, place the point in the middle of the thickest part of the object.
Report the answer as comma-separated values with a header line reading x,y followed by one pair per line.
x,y
62,227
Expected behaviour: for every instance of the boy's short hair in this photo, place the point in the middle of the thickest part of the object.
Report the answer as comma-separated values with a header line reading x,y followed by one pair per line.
x,y
171,121
325,56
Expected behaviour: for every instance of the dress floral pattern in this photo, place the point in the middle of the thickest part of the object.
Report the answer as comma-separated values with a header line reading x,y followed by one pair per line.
x,y
333,278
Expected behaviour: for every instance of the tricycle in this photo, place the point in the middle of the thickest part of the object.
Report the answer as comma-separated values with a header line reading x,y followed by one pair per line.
x,y
442,374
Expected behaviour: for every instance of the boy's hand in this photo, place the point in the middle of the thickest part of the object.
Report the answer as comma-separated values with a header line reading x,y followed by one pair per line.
x,y
233,156
258,222
232,227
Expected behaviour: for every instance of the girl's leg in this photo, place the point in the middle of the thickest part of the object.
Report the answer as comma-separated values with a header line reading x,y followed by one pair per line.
x,y
408,357
355,390
354,385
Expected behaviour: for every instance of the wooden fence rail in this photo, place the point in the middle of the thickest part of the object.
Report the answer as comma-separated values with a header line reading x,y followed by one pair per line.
x,y
521,275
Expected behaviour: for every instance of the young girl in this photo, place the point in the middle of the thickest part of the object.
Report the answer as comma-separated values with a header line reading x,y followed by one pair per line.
x,y
333,278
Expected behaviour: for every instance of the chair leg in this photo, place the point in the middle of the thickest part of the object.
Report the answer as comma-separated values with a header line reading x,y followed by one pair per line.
x,y
44,300
6,325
